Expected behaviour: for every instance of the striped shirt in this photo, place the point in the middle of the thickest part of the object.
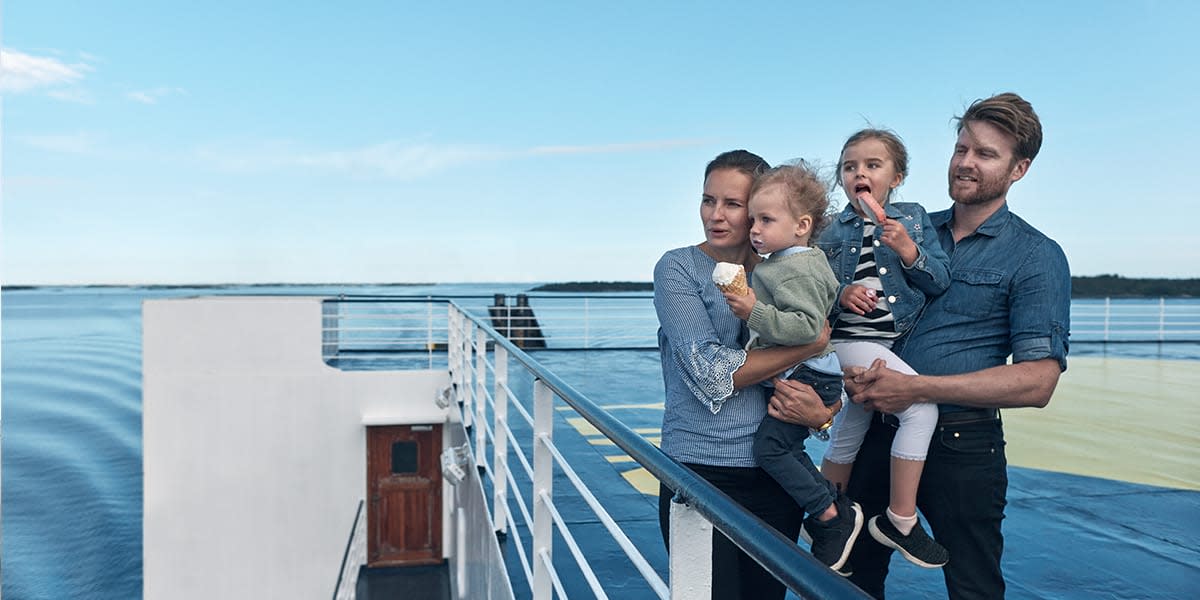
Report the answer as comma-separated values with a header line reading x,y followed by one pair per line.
x,y
705,420
878,324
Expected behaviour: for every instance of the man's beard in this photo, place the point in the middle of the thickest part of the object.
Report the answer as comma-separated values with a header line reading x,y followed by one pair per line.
x,y
986,189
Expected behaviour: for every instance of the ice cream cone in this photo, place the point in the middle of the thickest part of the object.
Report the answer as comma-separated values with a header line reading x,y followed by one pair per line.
x,y
731,278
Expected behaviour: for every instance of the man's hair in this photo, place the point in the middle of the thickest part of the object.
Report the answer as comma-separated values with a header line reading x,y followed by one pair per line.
x,y
742,161
803,189
1013,115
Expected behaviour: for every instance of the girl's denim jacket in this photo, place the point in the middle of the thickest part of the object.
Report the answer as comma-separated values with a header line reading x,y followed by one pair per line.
x,y
906,288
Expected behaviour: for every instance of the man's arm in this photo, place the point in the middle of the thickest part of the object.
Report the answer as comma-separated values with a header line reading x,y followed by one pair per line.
x,y
1028,383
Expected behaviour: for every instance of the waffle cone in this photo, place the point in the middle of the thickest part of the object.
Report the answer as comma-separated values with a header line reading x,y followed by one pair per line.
x,y
738,286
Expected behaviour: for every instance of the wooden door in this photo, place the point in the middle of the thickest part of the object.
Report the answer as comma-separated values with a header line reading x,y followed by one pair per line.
x,y
404,487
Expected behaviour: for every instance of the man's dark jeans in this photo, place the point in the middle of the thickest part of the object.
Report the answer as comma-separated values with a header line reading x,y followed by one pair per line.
x,y
962,496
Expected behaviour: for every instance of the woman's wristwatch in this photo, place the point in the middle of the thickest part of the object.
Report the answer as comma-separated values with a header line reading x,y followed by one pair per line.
x,y
827,424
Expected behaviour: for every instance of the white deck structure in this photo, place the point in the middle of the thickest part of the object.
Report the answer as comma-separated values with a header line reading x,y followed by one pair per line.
x,y
257,455
254,447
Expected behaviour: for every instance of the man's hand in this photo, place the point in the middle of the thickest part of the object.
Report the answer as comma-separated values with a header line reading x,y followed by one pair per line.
x,y
880,388
741,305
795,402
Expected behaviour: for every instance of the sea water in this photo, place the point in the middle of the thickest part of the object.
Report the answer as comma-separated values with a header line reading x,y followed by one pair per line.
x,y
72,452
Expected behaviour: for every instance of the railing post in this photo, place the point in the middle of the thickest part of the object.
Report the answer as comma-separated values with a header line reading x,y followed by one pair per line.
x,y
1162,318
587,321
452,348
543,480
429,344
500,443
480,392
691,553
1107,315
465,380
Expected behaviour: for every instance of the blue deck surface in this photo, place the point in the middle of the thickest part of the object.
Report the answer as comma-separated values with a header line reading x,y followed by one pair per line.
x,y
1067,536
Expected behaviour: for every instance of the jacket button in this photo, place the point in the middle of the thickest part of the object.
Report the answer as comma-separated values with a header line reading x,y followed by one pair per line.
x,y
883,270
891,299
853,250
876,242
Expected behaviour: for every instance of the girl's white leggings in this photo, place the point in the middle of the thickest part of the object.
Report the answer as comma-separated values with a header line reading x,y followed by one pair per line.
x,y
850,427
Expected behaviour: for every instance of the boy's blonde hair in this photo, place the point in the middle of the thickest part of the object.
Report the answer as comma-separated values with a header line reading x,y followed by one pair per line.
x,y
805,193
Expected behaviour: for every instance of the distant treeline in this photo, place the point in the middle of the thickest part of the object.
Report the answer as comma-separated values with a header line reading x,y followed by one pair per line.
x,y
1098,286
1115,286
596,286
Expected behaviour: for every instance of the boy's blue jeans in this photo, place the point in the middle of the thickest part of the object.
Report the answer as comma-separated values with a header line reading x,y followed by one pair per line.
x,y
779,448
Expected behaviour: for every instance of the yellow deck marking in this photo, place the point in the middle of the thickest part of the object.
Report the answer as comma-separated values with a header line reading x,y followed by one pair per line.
x,y
1116,418
650,406
642,481
587,429
623,458
656,440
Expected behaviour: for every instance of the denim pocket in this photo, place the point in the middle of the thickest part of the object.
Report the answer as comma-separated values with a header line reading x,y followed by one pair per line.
x,y
974,292
968,442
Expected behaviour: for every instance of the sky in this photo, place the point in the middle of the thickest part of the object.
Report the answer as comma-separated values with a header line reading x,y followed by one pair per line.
x,y
388,142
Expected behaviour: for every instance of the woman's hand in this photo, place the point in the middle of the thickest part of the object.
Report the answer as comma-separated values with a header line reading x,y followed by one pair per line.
x,y
858,298
895,236
795,402
741,305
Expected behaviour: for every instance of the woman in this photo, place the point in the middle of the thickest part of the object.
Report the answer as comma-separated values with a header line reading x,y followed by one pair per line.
x,y
713,401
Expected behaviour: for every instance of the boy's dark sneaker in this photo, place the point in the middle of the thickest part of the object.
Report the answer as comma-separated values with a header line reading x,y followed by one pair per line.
x,y
833,539
916,547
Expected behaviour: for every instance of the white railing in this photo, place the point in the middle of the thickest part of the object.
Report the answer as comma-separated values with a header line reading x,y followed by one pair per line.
x,y
354,558
1129,321
477,357
374,332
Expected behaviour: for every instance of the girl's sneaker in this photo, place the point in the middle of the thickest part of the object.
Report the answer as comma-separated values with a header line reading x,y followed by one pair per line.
x,y
916,547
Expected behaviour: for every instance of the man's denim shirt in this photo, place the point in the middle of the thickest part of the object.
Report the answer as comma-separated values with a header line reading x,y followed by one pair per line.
x,y
906,288
1010,294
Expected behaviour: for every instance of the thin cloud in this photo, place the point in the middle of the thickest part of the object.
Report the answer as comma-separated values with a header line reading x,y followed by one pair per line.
x,y
399,160
152,96
615,148
75,95
77,143
26,73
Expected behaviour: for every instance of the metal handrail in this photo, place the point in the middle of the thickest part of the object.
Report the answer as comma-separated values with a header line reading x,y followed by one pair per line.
x,y
797,569
352,558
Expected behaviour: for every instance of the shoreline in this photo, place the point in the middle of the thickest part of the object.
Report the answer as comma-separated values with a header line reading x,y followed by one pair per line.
x,y
1083,288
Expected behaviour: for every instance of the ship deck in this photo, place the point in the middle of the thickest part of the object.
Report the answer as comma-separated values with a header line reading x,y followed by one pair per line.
x,y
1104,489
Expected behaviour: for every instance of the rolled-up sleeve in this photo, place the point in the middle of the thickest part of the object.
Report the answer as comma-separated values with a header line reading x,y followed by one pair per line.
x,y
1040,313
698,356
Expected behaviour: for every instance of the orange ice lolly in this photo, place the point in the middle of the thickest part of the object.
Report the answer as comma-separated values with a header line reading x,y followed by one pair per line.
x,y
875,211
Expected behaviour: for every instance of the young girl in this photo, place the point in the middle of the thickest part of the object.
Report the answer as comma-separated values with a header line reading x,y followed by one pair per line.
x,y
888,260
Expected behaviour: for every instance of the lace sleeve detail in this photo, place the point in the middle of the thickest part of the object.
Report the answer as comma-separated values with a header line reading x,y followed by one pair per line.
x,y
698,330
707,369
